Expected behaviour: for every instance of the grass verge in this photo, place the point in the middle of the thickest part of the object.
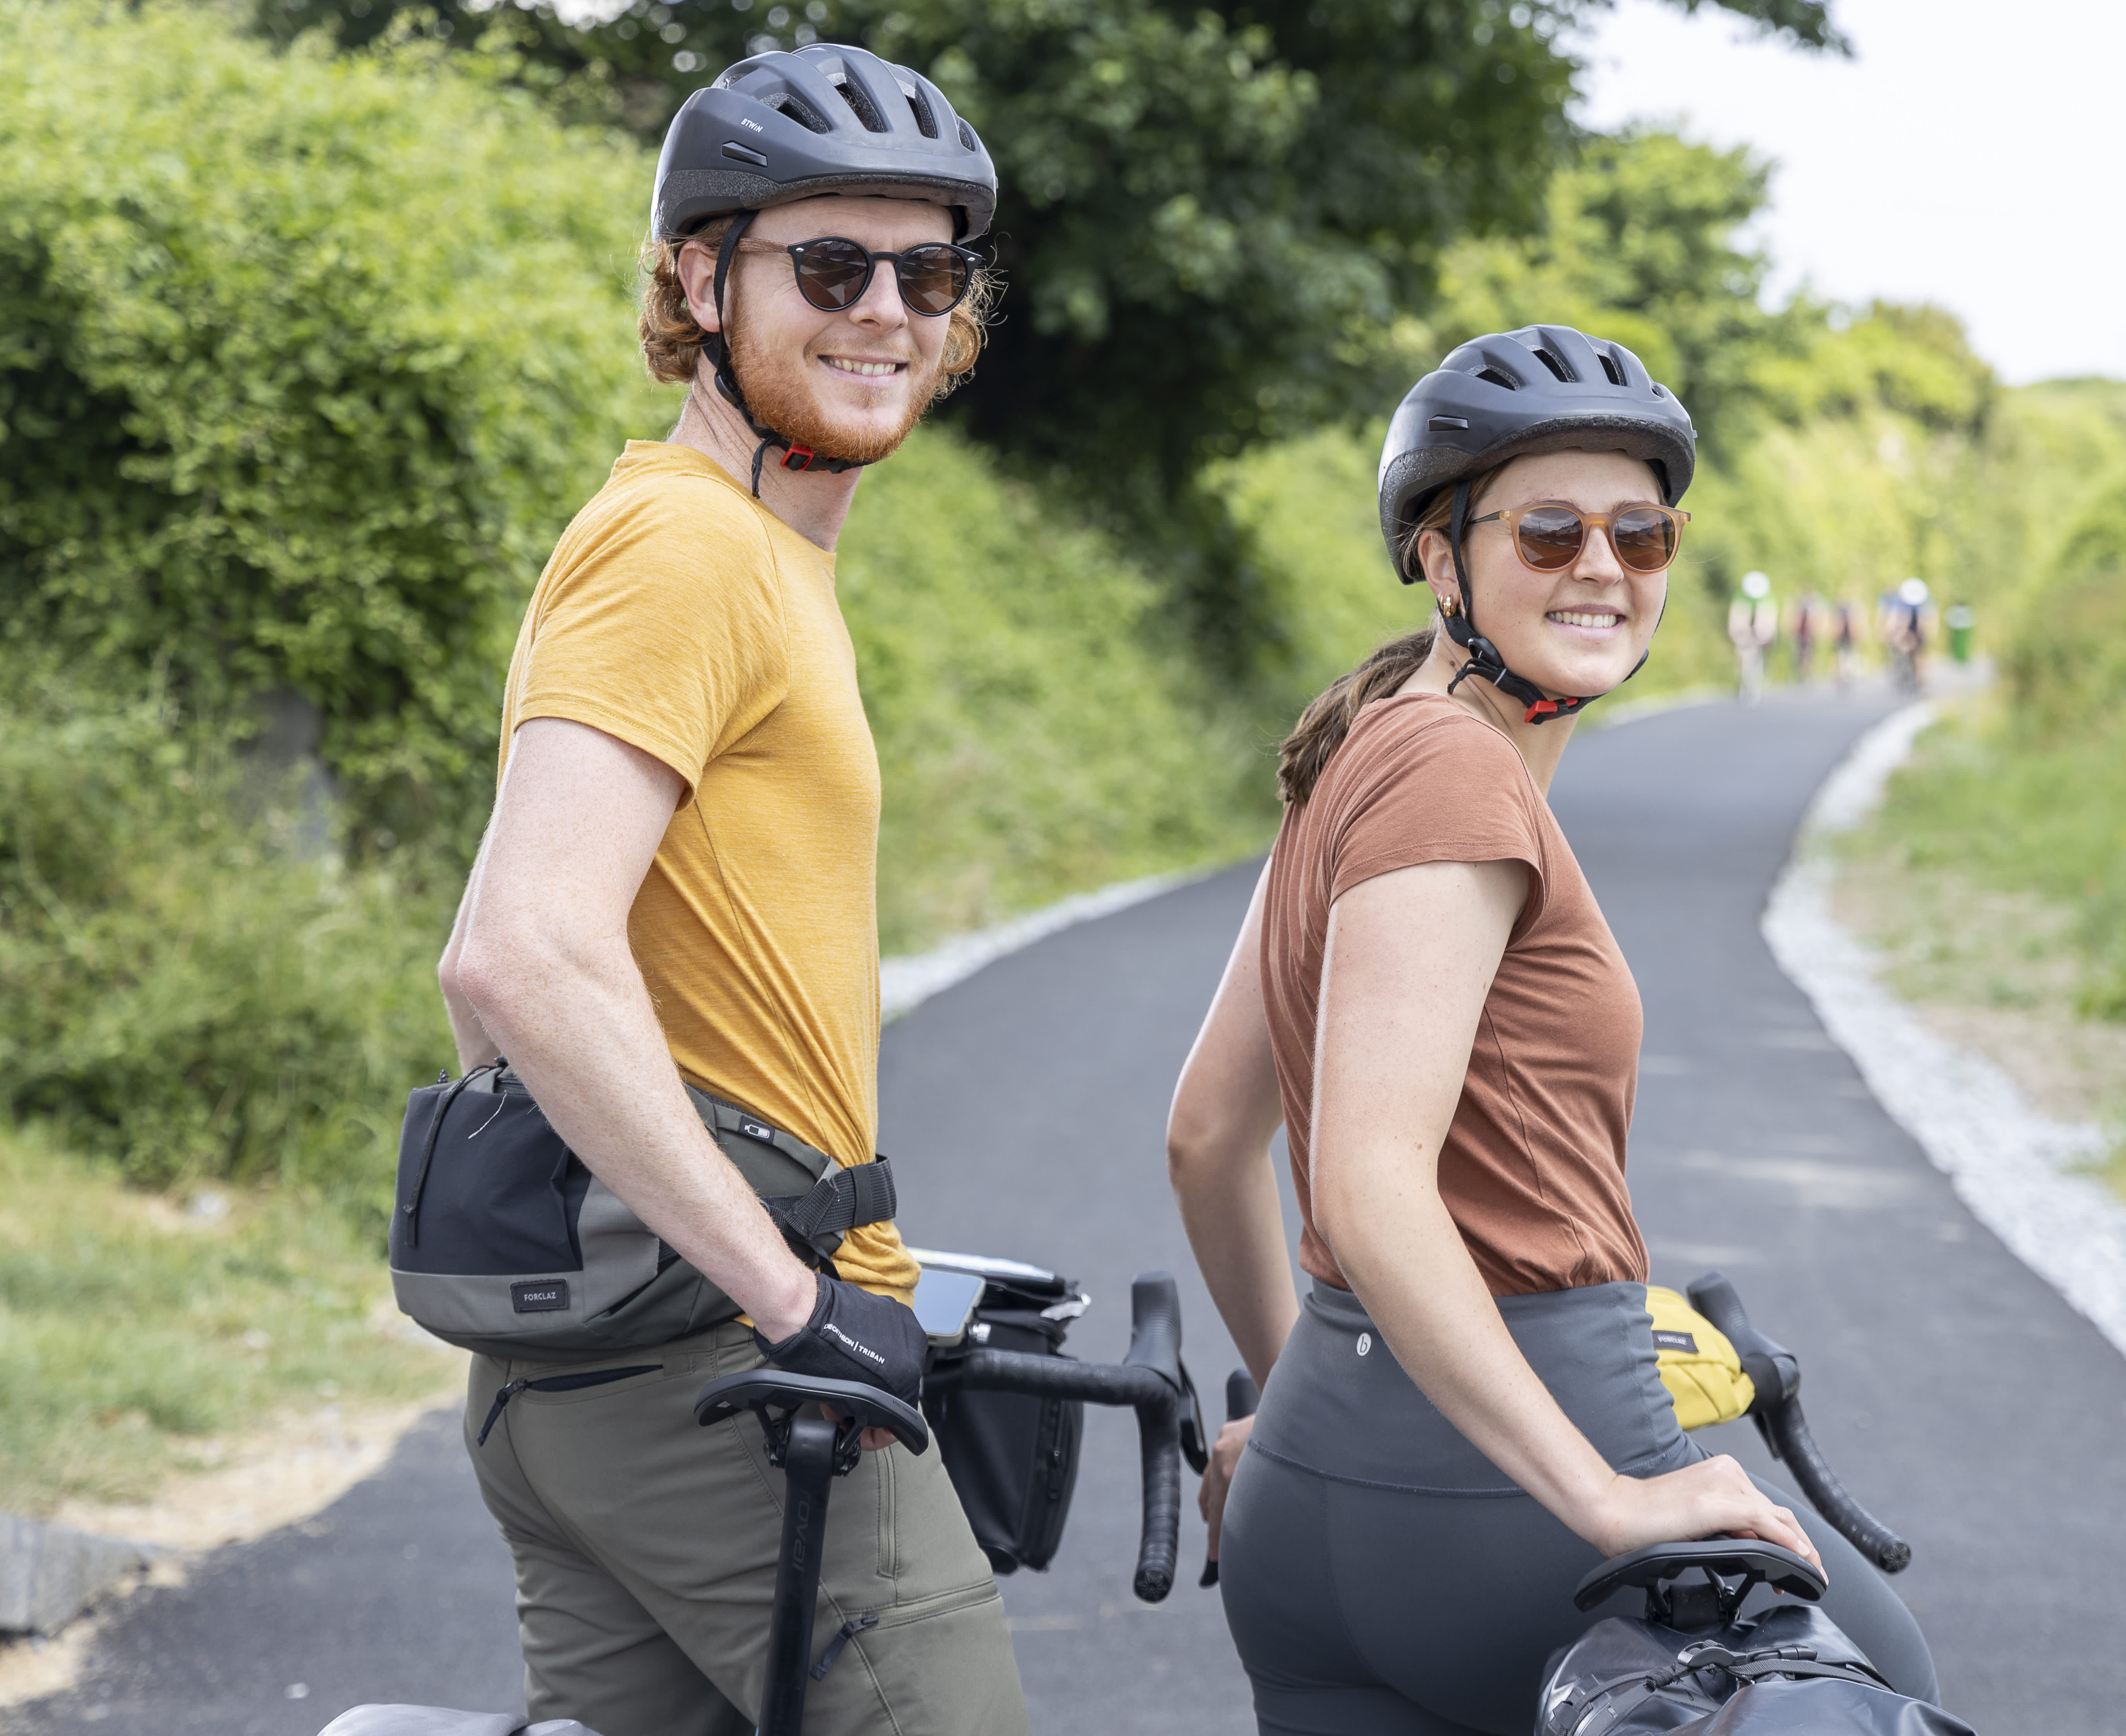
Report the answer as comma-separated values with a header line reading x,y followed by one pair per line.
x,y
1981,882
139,1331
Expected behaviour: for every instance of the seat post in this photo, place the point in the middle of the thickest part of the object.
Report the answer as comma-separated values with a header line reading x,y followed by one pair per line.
x,y
808,1470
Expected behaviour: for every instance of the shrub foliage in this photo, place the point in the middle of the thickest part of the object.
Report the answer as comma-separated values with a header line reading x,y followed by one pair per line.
x,y
304,362
187,981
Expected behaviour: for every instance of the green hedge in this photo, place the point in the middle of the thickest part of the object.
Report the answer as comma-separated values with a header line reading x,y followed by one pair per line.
x,y
186,983
304,361
1042,726
2035,798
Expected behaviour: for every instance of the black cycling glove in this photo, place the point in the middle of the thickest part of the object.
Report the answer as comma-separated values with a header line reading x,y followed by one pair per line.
x,y
853,1335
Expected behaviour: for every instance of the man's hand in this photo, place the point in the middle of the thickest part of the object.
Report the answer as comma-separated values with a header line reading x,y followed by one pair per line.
x,y
853,1335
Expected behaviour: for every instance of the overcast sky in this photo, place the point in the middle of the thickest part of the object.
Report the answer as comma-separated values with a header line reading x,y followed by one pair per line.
x,y
1963,156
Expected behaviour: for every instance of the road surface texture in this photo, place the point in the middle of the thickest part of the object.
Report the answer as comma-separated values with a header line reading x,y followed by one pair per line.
x,y
1957,1395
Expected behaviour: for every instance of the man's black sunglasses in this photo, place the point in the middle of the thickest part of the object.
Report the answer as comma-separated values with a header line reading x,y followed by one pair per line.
x,y
834,272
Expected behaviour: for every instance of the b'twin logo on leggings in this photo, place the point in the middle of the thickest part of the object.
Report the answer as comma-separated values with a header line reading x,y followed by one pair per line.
x,y
861,1350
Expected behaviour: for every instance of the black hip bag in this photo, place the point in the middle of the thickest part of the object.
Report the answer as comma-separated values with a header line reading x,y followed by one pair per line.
x,y
504,1242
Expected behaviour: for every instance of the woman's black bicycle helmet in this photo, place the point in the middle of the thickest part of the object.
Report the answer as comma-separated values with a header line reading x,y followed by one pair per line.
x,y
827,119
1541,389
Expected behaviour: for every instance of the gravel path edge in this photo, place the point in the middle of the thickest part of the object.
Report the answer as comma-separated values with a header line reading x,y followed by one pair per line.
x,y
2015,1167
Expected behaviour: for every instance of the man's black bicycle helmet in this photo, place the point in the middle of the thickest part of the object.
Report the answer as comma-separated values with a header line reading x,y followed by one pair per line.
x,y
1541,389
784,126
827,119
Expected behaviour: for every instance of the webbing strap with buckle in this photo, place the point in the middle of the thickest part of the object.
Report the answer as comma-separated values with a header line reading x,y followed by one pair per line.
x,y
838,1201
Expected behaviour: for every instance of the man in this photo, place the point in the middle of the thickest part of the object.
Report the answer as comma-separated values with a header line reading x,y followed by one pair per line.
x,y
678,890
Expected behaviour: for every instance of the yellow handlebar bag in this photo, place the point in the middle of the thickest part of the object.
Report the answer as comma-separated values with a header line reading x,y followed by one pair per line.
x,y
1699,1366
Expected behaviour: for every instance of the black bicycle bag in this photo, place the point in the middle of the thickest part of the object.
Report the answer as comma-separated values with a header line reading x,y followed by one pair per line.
x,y
504,1242
1013,1458
1695,1665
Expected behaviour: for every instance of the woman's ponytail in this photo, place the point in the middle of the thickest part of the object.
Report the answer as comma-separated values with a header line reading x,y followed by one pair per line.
x,y
1323,725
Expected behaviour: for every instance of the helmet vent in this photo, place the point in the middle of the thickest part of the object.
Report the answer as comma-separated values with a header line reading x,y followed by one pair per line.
x,y
1609,368
798,110
1499,377
926,123
1553,363
854,95
967,139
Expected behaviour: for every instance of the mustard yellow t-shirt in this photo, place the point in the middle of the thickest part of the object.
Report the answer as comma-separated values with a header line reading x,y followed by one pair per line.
x,y
681,616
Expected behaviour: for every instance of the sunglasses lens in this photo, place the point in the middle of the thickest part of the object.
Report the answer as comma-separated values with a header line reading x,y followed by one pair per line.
x,y
833,274
933,278
1644,539
1551,537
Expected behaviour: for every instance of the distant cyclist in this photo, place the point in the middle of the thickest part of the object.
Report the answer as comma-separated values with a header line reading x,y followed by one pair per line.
x,y
1466,1414
678,891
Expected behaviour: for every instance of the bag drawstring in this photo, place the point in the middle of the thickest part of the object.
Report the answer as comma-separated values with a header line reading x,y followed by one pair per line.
x,y
557,1383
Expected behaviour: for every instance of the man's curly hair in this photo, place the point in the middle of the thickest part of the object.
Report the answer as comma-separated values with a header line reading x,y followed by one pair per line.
x,y
672,341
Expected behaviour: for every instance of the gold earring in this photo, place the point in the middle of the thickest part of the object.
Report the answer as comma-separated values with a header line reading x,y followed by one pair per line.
x,y
1450,605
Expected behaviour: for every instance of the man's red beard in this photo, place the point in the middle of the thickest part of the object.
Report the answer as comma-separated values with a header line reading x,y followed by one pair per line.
x,y
779,390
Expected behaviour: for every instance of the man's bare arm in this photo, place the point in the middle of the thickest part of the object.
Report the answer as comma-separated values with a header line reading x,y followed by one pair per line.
x,y
540,960
474,1046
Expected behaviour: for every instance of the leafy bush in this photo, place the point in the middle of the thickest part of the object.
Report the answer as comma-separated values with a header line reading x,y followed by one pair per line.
x,y
304,363
186,983
2067,667
1041,726
2037,801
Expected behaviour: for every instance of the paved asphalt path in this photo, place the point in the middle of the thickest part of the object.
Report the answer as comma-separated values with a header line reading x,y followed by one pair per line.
x,y
1954,1391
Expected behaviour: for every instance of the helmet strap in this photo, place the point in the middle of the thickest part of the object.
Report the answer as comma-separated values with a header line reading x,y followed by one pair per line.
x,y
795,456
1483,656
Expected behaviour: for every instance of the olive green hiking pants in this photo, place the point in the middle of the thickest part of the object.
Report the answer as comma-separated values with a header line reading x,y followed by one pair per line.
x,y
646,1549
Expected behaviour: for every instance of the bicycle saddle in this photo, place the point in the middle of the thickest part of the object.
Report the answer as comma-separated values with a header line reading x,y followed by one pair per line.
x,y
774,1396
1732,1568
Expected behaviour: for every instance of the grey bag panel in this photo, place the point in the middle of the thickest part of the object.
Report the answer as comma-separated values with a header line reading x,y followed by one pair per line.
x,y
435,1720
620,1256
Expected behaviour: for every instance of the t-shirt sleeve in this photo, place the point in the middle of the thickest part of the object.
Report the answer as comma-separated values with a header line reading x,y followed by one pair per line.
x,y
661,625
1425,788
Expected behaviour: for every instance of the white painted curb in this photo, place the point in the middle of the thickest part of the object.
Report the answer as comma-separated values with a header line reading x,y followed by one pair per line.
x,y
2012,1166
906,982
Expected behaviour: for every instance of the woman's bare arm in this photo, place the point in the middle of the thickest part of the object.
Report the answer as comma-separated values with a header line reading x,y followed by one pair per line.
x,y
1410,960
1225,1110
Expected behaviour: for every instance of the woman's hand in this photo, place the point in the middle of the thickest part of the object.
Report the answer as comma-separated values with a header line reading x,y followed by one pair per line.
x,y
1714,1497
1218,1479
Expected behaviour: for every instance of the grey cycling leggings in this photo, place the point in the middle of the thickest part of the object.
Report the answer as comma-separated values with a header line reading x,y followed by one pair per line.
x,y
1381,1576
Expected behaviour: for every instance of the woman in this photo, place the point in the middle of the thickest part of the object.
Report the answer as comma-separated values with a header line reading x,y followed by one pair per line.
x,y
1465,1415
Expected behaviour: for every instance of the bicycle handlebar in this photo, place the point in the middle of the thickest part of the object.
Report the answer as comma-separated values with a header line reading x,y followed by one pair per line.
x,y
1148,1381
1775,1372
1792,1442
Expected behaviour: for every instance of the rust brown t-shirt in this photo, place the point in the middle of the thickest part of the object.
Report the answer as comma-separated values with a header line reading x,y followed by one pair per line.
x,y
1533,1171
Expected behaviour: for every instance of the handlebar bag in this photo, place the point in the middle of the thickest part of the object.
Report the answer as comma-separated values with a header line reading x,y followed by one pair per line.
x,y
1701,1370
502,1242
1013,1457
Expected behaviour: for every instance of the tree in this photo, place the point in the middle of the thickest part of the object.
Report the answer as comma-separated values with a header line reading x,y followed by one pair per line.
x,y
1210,214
